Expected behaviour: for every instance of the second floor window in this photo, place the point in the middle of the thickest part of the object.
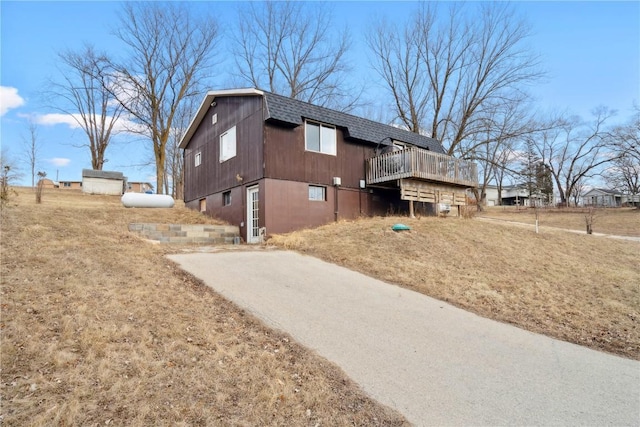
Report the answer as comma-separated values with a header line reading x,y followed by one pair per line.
x,y
228,144
320,138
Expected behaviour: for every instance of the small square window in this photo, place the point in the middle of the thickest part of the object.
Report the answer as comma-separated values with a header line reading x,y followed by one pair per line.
x,y
317,193
198,159
226,198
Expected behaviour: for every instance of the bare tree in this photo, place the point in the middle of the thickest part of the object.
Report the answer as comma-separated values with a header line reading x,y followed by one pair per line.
x,y
171,53
448,73
9,173
84,95
574,151
175,160
292,49
494,149
32,150
624,174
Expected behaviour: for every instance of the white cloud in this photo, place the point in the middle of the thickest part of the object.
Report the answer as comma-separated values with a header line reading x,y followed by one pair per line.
x,y
56,118
9,99
122,125
59,161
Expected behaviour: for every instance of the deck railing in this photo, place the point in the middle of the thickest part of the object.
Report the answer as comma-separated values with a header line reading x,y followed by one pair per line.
x,y
418,163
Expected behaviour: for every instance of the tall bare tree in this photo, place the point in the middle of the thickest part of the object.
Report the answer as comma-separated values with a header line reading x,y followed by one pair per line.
x,y
84,95
171,53
624,174
574,151
504,127
175,159
32,149
293,49
448,72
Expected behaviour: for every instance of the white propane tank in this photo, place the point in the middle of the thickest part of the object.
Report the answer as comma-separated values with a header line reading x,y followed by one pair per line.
x,y
143,200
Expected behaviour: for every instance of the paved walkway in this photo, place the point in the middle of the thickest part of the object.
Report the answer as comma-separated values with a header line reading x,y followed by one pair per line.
x,y
434,363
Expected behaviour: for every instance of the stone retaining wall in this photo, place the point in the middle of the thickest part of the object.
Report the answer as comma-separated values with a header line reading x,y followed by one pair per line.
x,y
203,234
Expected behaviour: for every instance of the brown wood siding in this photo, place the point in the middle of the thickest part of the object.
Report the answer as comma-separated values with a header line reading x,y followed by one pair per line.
x,y
285,205
286,158
232,214
211,176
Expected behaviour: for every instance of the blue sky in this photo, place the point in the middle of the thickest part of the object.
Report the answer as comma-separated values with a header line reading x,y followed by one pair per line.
x,y
591,51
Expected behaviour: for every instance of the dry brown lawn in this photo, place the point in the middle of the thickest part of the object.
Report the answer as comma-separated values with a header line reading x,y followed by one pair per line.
x,y
583,289
618,221
98,328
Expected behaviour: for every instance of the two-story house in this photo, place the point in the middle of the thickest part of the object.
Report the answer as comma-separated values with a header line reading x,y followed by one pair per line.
x,y
272,164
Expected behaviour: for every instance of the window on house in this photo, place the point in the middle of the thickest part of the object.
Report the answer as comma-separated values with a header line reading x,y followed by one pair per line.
x,y
317,193
203,205
66,184
320,138
226,198
198,158
228,144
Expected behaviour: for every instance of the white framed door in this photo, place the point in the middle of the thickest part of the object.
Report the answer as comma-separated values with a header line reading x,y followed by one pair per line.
x,y
253,215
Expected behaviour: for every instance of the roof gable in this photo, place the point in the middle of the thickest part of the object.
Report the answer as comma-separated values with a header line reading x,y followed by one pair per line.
x,y
293,112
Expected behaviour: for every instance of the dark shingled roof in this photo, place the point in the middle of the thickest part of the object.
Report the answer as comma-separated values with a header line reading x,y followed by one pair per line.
x,y
292,111
90,173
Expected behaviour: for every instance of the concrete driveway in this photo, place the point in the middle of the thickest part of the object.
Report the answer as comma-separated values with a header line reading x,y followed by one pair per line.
x,y
434,363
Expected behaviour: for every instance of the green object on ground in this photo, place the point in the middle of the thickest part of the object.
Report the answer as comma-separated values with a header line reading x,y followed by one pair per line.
x,y
400,227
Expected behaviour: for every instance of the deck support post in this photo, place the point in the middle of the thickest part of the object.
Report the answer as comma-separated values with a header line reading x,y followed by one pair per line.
x,y
411,214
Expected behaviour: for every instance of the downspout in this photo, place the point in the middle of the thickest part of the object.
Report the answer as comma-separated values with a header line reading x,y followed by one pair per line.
x,y
335,203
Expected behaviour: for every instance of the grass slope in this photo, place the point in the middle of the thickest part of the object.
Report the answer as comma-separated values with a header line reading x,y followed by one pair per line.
x,y
578,288
98,328
619,221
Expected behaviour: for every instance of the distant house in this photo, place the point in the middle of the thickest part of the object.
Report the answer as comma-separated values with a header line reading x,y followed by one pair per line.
x,y
513,195
102,182
510,196
70,185
139,187
602,197
269,163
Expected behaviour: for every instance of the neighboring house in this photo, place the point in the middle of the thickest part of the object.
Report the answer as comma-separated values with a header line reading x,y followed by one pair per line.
x,y
602,197
102,182
269,163
631,200
139,187
511,196
514,195
71,185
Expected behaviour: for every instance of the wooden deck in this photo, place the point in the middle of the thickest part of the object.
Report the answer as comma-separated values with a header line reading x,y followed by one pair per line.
x,y
416,163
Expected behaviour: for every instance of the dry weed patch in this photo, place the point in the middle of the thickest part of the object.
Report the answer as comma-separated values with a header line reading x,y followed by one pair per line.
x,y
99,328
578,288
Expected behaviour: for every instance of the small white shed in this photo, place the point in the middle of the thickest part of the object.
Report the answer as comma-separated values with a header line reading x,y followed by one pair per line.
x,y
102,182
